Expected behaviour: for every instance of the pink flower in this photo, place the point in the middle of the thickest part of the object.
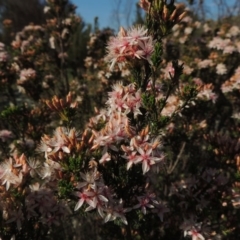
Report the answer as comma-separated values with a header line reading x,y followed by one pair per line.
x,y
132,158
85,196
147,49
169,71
5,135
195,235
160,210
144,203
99,193
62,142
145,4
191,228
3,56
16,216
205,63
26,74
44,147
219,43
33,167
59,142
116,211
91,179
105,158
51,218
6,174
136,34
146,159
128,45
207,94
125,99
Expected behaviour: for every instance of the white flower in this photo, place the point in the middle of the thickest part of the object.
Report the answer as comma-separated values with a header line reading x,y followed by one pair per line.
x,y
3,56
233,31
188,30
26,74
52,42
46,9
206,28
205,63
221,69
7,176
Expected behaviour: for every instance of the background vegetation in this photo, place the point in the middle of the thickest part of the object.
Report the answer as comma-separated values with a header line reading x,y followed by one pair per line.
x,y
55,81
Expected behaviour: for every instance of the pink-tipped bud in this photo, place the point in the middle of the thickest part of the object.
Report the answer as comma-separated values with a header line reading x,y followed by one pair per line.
x,y
144,4
122,32
165,13
69,97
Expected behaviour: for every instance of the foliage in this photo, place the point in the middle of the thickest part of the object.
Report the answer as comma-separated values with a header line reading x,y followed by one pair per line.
x,y
140,142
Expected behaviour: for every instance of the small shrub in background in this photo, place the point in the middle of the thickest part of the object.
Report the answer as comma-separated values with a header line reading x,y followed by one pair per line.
x,y
158,156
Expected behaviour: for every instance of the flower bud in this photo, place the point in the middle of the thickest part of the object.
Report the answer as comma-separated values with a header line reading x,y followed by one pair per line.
x,y
122,32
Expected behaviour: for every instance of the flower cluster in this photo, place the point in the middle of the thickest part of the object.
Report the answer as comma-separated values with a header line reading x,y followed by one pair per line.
x,y
12,170
142,148
156,154
96,195
129,45
3,53
41,202
63,141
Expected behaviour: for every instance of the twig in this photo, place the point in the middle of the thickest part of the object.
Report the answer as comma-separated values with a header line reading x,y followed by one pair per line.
x,y
178,158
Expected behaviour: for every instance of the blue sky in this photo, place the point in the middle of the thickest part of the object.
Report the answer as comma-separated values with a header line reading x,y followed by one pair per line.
x,y
104,9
